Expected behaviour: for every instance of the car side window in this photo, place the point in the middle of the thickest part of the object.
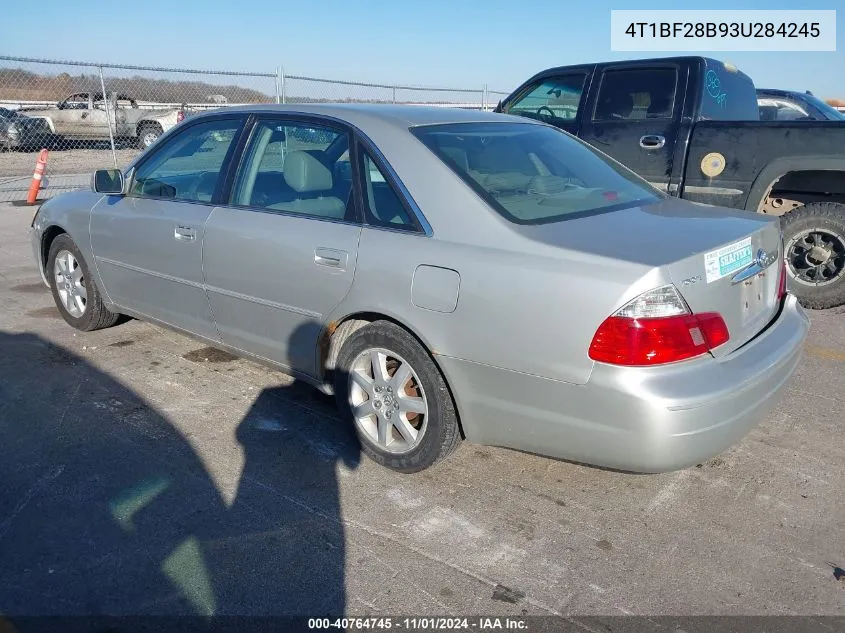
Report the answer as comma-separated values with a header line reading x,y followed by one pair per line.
x,y
555,98
296,168
636,94
187,167
382,204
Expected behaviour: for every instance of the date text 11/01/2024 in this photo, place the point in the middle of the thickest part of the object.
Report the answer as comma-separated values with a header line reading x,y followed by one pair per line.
x,y
723,29
419,624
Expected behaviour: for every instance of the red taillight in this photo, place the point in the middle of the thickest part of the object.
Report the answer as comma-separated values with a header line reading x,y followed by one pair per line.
x,y
782,279
180,116
656,340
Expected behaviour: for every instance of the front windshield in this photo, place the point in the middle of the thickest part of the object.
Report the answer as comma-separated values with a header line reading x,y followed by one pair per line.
x,y
533,174
553,99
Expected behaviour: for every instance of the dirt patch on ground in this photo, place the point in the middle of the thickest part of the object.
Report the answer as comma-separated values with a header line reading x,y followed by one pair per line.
x,y
49,312
209,355
35,288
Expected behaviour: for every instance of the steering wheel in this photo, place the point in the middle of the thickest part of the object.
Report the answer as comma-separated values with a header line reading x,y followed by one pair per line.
x,y
547,108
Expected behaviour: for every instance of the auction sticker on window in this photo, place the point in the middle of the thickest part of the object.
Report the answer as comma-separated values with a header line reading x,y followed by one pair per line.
x,y
728,259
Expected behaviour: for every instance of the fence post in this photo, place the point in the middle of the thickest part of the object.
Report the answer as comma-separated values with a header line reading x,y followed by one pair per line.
x,y
484,98
108,116
278,82
394,94
282,71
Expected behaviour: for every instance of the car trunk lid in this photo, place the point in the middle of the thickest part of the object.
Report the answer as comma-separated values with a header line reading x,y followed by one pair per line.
x,y
707,252
738,279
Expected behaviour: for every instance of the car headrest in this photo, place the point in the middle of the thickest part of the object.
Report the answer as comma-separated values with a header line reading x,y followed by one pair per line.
x,y
768,113
305,173
458,155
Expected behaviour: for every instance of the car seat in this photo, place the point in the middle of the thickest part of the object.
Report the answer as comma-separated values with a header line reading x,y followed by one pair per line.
x,y
311,180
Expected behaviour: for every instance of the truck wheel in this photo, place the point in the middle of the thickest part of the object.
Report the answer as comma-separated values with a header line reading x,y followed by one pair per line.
x,y
814,244
148,134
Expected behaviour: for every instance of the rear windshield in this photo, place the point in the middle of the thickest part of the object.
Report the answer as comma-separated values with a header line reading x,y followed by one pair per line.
x,y
727,94
533,174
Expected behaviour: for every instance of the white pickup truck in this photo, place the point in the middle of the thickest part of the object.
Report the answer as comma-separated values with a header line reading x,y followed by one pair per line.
x,y
84,116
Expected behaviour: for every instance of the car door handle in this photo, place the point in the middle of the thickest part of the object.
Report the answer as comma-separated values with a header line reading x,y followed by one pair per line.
x,y
652,141
185,233
330,257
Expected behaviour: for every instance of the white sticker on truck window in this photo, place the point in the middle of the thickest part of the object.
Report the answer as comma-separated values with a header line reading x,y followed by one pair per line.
x,y
728,259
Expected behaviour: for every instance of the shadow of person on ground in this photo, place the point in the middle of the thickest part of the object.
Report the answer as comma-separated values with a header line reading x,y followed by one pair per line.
x,y
106,509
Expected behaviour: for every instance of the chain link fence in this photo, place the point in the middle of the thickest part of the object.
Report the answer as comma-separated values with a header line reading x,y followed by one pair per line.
x,y
90,115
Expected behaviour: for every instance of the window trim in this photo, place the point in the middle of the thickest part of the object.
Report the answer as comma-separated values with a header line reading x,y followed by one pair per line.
x,y
411,207
416,227
626,68
359,136
293,118
132,170
529,87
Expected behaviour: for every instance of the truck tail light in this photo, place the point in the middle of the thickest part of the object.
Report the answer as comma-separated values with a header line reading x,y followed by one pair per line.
x,y
655,328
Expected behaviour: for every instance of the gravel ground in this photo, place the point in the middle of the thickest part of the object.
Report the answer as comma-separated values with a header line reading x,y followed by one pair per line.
x,y
146,474
69,161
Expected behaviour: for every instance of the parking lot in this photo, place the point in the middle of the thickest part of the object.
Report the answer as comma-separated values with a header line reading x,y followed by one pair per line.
x,y
145,473
66,170
79,160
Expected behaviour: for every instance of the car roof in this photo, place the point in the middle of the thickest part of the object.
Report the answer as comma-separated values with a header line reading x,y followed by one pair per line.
x,y
674,59
364,114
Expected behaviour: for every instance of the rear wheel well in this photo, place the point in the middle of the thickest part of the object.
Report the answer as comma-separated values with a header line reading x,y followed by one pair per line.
x,y
797,188
50,233
337,332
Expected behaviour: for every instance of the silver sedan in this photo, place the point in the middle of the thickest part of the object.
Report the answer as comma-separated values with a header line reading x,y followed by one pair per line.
x,y
446,274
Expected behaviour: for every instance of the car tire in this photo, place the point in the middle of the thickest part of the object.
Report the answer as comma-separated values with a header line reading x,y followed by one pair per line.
x,y
816,276
148,134
84,310
384,435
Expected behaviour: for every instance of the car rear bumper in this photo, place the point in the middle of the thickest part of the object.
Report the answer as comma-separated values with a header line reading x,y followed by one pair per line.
x,y
637,419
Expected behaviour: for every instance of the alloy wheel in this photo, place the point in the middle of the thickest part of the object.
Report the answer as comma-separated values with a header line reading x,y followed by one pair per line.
x,y
388,402
816,256
70,283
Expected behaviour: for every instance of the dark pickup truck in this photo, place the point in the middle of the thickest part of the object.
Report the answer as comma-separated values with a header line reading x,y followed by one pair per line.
x,y
691,127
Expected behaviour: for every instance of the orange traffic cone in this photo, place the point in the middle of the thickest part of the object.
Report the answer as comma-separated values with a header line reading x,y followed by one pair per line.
x,y
37,175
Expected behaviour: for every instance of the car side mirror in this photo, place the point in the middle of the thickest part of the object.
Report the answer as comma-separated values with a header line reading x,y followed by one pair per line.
x,y
108,181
